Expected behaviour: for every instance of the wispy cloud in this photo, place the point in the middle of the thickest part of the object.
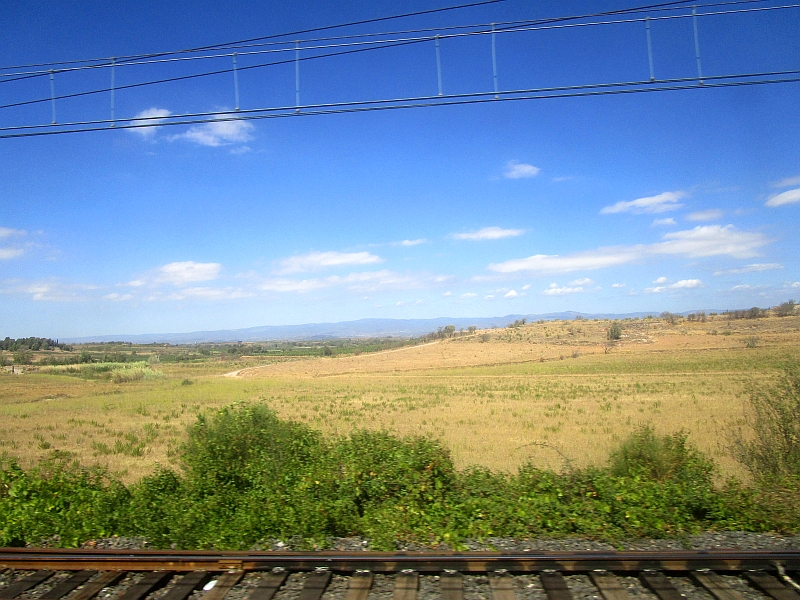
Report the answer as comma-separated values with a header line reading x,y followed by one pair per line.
x,y
511,294
787,197
7,232
315,261
182,273
115,297
663,202
754,268
488,233
618,285
683,284
787,182
9,253
209,293
364,281
447,294
144,123
556,290
48,291
705,215
702,241
584,281
517,170
663,222
412,242
218,133
468,295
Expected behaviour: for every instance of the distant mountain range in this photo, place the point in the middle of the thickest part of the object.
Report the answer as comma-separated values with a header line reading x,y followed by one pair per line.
x,y
362,328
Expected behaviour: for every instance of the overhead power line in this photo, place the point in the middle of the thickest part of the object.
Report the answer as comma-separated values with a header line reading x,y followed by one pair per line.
x,y
603,89
380,45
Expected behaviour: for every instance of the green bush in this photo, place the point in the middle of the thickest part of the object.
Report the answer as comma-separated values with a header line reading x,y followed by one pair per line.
x,y
247,476
772,452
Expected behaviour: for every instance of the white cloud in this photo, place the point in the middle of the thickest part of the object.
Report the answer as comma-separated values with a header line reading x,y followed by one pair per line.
x,y
741,288
115,297
314,261
663,222
134,283
754,268
511,294
663,202
209,293
447,294
145,122
8,253
468,295
787,182
489,297
517,170
488,233
584,281
294,285
401,303
218,133
555,290
686,284
560,179
787,197
683,284
702,241
705,215
9,232
412,242
181,273
618,285
795,284
527,286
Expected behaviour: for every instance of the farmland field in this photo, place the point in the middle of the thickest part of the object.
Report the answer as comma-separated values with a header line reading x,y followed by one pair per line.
x,y
552,392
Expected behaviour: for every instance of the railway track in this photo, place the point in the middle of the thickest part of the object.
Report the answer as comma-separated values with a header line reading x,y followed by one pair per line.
x,y
44,574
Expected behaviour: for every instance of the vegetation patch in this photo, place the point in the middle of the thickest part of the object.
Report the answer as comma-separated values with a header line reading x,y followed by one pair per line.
x,y
247,476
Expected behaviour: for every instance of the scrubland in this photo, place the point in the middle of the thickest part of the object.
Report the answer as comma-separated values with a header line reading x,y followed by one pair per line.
x,y
554,394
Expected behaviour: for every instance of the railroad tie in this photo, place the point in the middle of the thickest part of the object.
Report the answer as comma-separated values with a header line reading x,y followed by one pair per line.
x,y
502,585
224,584
771,586
315,585
452,585
149,583
24,584
93,587
269,585
184,587
609,585
359,586
716,585
65,587
660,585
555,585
406,584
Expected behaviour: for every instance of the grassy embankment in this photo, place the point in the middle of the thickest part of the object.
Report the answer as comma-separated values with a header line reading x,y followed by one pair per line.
x,y
489,397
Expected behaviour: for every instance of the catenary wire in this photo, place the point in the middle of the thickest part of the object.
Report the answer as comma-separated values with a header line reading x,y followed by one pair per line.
x,y
711,82
383,45
140,59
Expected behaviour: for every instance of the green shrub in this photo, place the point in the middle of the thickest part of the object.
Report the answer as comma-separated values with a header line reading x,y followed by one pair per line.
x,y
773,449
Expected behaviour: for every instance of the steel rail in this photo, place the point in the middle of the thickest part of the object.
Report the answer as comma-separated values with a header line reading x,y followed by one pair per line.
x,y
423,562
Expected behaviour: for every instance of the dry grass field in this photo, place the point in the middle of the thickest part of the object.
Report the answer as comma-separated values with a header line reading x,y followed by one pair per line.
x,y
551,392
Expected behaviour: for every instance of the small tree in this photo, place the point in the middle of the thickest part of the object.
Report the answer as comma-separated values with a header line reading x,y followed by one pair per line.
x,y
615,331
785,309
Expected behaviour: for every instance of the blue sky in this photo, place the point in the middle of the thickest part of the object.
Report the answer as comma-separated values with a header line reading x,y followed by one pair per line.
x,y
656,201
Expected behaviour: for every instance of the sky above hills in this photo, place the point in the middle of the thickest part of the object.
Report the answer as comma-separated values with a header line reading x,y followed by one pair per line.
x,y
674,200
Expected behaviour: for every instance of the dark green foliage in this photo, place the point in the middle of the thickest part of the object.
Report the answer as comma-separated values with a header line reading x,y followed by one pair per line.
x,y
31,343
786,309
773,451
615,331
59,498
248,476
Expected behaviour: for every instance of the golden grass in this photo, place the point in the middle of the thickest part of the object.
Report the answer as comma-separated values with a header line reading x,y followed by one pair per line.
x,y
546,392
